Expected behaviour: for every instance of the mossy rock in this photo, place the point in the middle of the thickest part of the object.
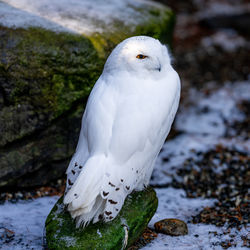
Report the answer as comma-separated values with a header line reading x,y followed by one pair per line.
x,y
138,209
47,71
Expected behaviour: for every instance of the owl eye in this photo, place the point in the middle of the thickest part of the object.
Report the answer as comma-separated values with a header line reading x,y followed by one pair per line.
x,y
140,56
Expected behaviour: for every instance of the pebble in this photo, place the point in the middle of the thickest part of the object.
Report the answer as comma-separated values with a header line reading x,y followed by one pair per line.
x,y
6,235
173,227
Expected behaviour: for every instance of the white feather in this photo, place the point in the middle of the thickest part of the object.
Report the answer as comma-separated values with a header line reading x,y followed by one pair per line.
x,y
127,118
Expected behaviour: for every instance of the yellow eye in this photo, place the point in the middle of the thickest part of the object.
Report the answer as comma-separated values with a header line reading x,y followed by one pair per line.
x,y
140,56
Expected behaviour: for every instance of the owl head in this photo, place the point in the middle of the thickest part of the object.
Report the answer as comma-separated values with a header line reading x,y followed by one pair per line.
x,y
139,54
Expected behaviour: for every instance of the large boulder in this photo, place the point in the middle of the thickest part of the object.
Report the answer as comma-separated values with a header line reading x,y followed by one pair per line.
x,y
123,231
52,52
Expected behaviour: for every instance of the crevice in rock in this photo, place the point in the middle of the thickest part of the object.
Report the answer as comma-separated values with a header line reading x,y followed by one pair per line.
x,y
43,175
36,134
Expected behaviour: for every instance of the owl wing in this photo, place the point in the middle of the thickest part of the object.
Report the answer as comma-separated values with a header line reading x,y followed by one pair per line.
x,y
87,197
95,130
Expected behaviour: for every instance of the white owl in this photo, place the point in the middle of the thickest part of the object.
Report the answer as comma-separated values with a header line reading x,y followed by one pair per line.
x,y
127,118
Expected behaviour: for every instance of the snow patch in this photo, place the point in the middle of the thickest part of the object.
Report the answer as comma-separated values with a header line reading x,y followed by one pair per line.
x,y
99,233
72,15
228,40
70,241
211,8
27,220
211,112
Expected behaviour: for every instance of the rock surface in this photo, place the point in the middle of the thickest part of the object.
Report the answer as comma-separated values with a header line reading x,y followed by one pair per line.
x,y
173,227
126,228
52,53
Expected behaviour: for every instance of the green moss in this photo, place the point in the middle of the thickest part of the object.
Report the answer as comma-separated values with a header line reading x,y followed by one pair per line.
x,y
137,211
50,70
162,30
45,71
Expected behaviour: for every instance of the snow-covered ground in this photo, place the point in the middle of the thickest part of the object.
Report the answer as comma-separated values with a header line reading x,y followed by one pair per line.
x,y
203,125
26,220
174,204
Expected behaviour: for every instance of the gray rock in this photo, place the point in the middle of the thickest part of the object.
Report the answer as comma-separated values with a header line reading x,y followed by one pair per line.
x,y
49,62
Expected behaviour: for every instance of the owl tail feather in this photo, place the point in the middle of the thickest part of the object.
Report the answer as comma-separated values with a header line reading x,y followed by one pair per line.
x,y
83,199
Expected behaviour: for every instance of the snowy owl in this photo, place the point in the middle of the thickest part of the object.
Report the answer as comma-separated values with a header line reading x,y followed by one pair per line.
x,y
127,118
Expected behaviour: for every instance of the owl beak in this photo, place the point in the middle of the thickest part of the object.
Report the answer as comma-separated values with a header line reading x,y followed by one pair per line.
x,y
159,66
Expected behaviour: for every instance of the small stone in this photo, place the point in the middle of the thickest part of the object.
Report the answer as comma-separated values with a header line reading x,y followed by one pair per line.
x,y
5,233
9,233
9,196
173,227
